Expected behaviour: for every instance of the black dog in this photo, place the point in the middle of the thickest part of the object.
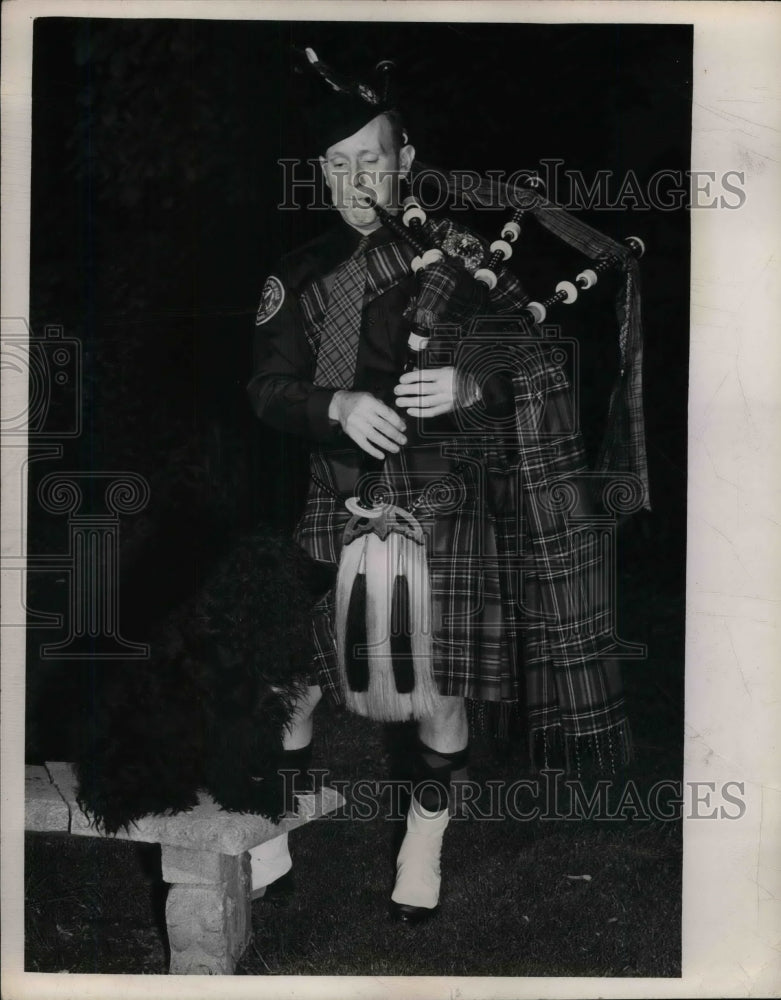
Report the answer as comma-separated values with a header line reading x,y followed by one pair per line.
x,y
209,709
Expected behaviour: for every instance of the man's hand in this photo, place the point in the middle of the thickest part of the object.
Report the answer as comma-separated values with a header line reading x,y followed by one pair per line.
x,y
429,392
374,427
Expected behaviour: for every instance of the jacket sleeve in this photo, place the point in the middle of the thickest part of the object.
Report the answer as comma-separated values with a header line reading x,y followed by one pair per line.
x,y
281,389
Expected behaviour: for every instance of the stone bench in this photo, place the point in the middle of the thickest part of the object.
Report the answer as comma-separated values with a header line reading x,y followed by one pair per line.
x,y
204,860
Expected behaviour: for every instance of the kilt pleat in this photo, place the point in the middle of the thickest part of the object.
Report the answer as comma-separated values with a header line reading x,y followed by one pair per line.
x,y
475,612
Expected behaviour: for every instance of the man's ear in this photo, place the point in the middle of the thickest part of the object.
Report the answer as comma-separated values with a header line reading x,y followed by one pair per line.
x,y
406,156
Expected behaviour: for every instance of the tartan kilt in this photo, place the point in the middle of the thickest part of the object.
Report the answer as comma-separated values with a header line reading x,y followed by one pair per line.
x,y
452,490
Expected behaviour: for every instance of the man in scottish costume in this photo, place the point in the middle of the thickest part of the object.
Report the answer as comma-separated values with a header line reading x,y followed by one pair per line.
x,y
441,430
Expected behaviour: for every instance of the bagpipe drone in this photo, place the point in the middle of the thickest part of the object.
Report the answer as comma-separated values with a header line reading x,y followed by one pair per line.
x,y
383,618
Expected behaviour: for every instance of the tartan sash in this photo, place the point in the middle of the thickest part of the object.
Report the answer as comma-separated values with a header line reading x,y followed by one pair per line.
x,y
338,349
322,302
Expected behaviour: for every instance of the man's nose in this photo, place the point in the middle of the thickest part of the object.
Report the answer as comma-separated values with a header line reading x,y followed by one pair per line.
x,y
362,179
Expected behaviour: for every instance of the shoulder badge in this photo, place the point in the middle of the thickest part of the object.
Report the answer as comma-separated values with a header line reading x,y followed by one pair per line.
x,y
271,300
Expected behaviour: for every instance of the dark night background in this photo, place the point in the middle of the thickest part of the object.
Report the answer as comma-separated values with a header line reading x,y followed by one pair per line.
x,y
154,186
154,225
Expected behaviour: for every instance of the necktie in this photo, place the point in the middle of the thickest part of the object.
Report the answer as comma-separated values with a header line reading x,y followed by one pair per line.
x,y
338,350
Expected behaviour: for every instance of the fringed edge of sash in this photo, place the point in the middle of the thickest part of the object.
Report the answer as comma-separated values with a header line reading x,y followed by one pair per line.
x,y
496,719
549,747
581,754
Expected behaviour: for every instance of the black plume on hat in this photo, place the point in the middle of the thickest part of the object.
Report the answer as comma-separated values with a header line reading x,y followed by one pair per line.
x,y
333,106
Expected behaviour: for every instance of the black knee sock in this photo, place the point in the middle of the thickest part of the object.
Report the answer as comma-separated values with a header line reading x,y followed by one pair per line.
x,y
431,773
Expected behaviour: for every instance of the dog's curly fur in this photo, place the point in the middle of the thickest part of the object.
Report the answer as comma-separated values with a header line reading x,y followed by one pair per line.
x,y
208,710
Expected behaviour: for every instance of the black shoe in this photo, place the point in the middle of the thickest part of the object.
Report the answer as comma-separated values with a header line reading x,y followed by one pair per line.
x,y
277,893
281,891
405,913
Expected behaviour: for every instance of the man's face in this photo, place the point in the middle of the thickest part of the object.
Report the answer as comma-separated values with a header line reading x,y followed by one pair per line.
x,y
366,161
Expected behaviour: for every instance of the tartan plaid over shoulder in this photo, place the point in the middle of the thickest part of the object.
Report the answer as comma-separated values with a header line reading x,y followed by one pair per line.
x,y
573,690
520,613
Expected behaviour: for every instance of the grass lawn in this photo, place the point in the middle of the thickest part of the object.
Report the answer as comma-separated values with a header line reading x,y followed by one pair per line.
x,y
510,906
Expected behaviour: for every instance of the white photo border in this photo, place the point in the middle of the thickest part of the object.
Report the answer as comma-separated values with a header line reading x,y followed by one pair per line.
x,y
732,878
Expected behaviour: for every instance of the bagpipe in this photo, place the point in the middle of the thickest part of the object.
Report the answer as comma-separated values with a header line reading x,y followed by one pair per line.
x,y
383,612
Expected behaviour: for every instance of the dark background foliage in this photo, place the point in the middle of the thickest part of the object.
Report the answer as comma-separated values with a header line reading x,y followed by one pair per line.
x,y
154,224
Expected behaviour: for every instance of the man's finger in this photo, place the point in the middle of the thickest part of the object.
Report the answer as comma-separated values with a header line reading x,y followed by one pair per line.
x,y
394,430
413,389
393,418
436,399
417,391
424,400
377,437
370,428
421,375
364,445
435,411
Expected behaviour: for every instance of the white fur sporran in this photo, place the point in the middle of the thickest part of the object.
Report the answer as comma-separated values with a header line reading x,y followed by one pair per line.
x,y
380,557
